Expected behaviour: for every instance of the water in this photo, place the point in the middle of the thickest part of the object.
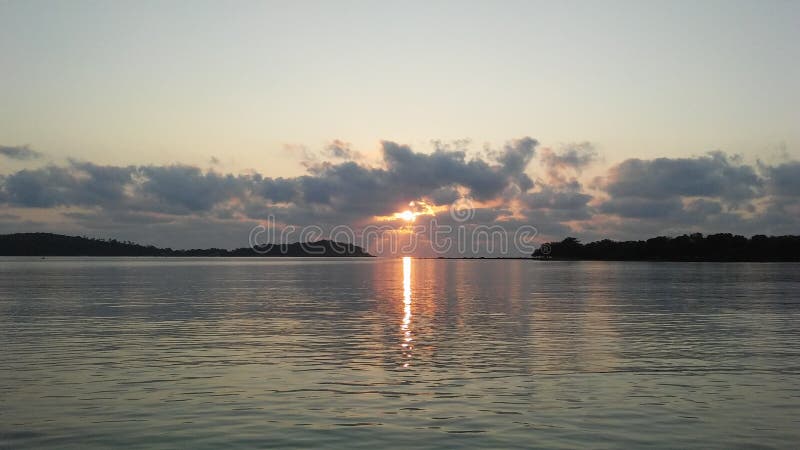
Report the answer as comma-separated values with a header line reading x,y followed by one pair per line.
x,y
368,353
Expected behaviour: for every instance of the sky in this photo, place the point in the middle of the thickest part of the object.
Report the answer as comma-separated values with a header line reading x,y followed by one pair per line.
x,y
185,123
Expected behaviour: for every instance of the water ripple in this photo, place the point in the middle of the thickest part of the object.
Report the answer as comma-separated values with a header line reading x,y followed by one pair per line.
x,y
205,353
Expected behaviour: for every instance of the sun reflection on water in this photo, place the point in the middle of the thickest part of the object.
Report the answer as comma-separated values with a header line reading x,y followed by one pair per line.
x,y
405,327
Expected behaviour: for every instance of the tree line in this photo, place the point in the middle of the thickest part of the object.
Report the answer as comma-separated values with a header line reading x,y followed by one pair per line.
x,y
688,247
48,244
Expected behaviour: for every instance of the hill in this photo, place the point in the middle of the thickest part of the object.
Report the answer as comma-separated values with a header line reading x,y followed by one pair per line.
x,y
48,244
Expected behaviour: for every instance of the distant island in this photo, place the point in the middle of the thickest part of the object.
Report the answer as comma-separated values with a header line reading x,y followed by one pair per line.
x,y
692,247
48,244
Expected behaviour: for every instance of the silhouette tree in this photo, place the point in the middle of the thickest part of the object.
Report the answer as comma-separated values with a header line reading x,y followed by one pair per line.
x,y
47,244
693,247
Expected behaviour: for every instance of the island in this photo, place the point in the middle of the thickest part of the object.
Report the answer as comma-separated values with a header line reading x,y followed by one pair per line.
x,y
49,244
723,247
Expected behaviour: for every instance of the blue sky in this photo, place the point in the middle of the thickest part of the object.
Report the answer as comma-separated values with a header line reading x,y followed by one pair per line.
x,y
266,87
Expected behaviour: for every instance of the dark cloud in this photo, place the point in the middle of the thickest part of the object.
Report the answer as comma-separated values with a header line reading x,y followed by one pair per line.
x,y
98,185
516,155
703,207
427,172
677,189
642,208
567,161
345,190
185,189
45,187
444,195
785,178
277,190
115,219
408,175
81,184
783,207
20,152
715,175
340,150
710,193
567,197
449,168
551,207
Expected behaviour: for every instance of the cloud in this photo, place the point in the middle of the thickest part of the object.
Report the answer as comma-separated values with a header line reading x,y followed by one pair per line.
x,y
22,153
716,192
45,187
715,175
785,178
552,208
642,208
567,197
344,190
276,190
701,207
184,189
570,160
113,219
675,189
516,155
444,195
339,149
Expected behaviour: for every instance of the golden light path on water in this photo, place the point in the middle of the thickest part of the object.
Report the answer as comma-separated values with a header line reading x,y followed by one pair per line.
x,y
406,309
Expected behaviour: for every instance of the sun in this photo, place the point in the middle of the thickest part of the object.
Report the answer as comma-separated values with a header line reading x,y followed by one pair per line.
x,y
407,215
415,209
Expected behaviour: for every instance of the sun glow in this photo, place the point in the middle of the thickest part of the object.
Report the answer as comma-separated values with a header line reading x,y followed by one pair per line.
x,y
415,209
407,215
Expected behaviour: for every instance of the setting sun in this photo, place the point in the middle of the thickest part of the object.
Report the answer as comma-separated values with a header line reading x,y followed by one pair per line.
x,y
407,215
415,208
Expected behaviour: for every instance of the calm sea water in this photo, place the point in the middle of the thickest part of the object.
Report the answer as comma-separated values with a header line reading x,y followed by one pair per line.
x,y
371,353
